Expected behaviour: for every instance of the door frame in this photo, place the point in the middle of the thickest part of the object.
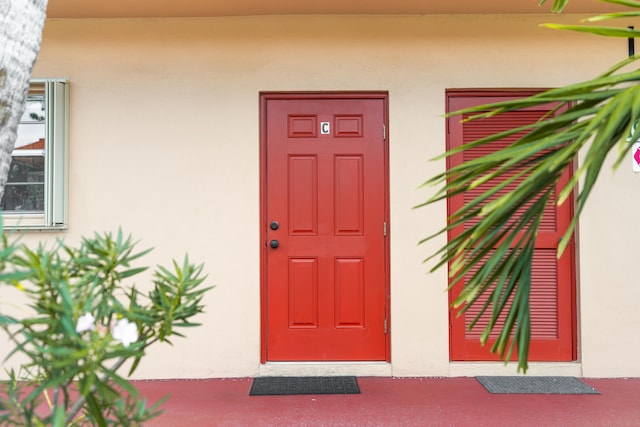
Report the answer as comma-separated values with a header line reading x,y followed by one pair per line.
x,y
264,98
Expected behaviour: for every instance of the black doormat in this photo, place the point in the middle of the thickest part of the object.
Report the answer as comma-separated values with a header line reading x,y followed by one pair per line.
x,y
536,385
267,386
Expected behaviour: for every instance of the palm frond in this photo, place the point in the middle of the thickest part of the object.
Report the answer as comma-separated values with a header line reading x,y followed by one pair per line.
x,y
557,6
493,254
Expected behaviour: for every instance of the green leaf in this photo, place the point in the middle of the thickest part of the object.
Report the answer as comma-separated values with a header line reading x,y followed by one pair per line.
x,y
155,408
59,417
558,5
629,3
132,272
121,382
95,410
617,15
601,31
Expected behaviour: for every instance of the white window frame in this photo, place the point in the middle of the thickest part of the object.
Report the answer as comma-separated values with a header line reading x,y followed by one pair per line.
x,y
56,183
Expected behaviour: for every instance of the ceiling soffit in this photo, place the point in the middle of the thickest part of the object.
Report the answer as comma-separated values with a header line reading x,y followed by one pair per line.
x,y
214,8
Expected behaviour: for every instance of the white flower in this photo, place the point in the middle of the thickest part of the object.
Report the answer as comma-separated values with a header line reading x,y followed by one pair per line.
x,y
85,323
125,331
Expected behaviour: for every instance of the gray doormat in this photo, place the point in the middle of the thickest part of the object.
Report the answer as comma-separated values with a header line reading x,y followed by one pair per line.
x,y
266,386
536,385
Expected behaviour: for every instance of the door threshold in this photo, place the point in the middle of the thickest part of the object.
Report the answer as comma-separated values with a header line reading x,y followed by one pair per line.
x,y
324,369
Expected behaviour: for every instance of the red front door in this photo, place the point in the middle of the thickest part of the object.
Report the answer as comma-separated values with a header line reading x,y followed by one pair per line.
x,y
325,221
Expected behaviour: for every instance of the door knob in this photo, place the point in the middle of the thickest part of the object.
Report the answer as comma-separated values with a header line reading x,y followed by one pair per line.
x,y
274,225
274,244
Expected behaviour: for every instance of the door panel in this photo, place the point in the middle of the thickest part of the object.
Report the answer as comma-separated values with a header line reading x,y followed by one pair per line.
x,y
552,298
325,284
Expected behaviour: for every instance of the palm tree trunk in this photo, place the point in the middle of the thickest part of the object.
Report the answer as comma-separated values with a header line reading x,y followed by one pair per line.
x,y
21,24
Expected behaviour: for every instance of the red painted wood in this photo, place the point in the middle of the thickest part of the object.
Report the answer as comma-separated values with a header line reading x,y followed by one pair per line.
x,y
302,195
350,293
303,293
325,286
349,195
552,299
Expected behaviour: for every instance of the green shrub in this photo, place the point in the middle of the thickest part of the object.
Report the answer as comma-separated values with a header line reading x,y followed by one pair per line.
x,y
86,319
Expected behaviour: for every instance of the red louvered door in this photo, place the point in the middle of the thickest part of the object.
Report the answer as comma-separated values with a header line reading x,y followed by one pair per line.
x,y
553,280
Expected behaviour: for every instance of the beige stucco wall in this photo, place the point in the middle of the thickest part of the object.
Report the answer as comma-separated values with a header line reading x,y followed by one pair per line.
x,y
164,142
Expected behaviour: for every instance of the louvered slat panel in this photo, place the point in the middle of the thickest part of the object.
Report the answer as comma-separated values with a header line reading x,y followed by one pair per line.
x,y
543,301
476,129
553,280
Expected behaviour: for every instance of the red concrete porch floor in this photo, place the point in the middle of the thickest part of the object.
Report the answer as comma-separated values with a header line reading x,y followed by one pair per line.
x,y
392,402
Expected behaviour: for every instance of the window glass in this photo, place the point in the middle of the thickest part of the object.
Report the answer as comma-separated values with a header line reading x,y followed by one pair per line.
x,y
24,191
25,188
